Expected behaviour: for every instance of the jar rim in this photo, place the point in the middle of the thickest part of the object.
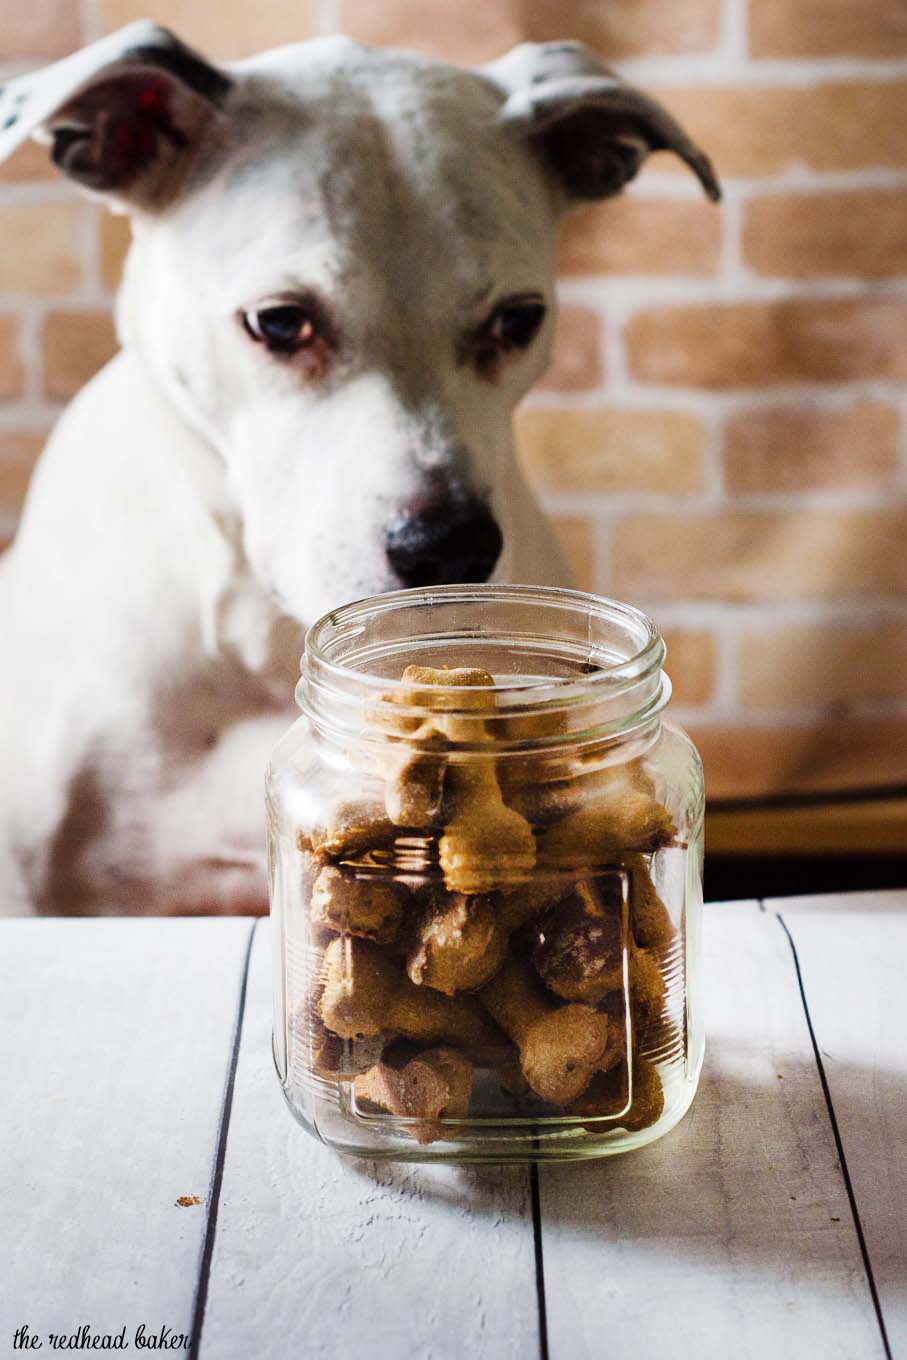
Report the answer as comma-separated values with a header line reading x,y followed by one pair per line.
x,y
342,625
612,695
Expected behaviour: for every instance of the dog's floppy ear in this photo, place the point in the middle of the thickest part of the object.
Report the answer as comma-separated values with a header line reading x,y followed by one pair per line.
x,y
122,117
593,130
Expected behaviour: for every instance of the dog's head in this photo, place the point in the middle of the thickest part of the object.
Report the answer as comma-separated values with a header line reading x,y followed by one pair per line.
x,y
342,274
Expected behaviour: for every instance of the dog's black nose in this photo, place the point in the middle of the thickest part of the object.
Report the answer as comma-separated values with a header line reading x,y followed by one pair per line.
x,y
444,543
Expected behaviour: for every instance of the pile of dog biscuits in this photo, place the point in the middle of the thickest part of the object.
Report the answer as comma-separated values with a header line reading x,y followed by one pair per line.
x,y
514,952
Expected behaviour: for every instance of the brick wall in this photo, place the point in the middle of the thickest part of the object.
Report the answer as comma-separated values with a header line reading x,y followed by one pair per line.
x,y
723,436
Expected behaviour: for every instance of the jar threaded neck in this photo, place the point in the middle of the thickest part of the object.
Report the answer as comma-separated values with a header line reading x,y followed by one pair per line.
x,y
594,662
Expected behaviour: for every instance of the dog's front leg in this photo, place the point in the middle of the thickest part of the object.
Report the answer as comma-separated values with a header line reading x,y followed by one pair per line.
x,y
207,832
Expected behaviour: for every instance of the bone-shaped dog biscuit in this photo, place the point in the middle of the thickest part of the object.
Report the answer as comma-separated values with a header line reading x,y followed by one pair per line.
x,y
414,788
461,940
550,787
649,917
455,716
415,766
518,905
616,818
459,944
434,1084
589,815
607,1095
646,981
560,1046
579,946
365,993
458,717
485,844
348,827
579,950
330,1057
366,906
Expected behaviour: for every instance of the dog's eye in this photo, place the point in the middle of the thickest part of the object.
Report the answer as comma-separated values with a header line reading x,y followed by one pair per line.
x,y
512,325
283,326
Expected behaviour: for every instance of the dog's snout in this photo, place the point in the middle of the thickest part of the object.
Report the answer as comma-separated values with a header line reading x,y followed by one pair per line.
x,y
444,543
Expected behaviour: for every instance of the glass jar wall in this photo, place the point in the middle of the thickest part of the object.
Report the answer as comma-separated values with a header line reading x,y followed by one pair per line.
x,y
485,877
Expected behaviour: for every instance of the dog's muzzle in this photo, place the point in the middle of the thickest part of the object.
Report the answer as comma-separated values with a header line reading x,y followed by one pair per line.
x,y
445,542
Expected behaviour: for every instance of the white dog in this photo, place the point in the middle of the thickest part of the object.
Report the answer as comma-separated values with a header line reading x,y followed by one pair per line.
x,y
339,287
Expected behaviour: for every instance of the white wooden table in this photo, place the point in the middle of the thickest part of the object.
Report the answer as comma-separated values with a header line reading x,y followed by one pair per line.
x,y
135,1071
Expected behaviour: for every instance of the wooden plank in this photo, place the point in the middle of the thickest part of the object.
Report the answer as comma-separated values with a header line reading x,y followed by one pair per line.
x,y
324,1256
117,1036
733,1235
850,908
851,950
871,826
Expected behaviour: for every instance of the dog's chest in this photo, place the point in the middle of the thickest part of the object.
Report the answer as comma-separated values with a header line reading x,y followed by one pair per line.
x,y
169,816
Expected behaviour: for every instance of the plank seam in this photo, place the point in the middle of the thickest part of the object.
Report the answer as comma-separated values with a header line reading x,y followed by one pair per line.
x,y
539,1259
217,1175
848,1184
810,798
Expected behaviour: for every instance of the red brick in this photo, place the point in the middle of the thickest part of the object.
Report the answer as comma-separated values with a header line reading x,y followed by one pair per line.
x,y
809,448
76,345
828,28
12,373
18,452
638,235
742,555
29,162
577,538
577,363
611,450
116,237
765,129
40,247
476,33
810,235
753,761
756,344
691,663
48,28
823,665
225,31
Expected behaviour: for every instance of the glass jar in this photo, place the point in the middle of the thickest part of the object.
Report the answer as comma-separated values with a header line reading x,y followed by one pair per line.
x,y
485,879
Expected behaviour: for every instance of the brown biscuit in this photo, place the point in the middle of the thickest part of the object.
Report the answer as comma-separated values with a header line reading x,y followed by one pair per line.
x,y
414,788
560,1046
415,767
366,993
518,905
619,814
485,844
459,944
452,717
366,906
549,788
461,940
607,1095
646,981
425,681
428,686
333,1058
434,1084
348,828
649,917
579,946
